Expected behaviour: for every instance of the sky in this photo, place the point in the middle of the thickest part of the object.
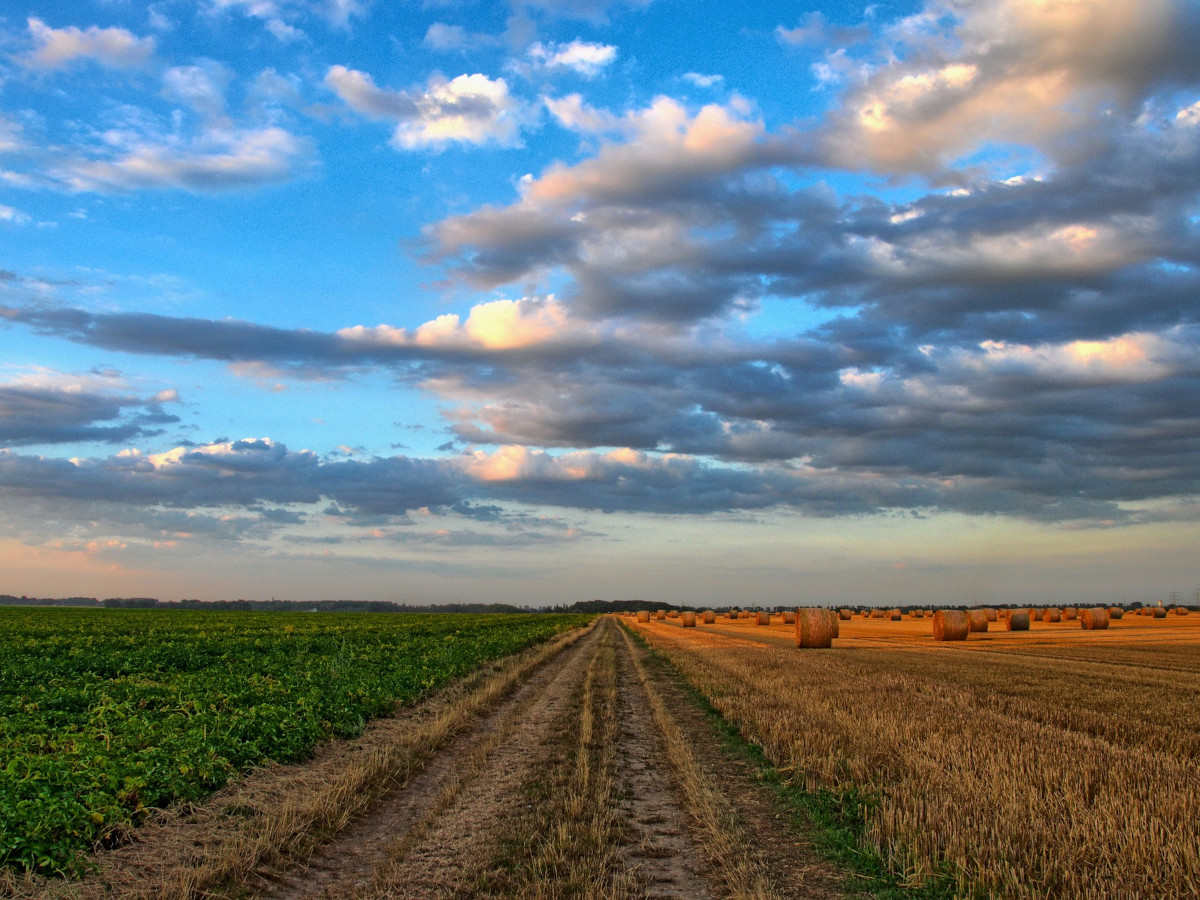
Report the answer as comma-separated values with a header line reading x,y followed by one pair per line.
x,y
541,301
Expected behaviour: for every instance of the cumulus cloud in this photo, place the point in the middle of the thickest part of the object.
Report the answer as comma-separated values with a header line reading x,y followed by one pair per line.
x,y
621,223
1021,342
468,109
1008,71
58,47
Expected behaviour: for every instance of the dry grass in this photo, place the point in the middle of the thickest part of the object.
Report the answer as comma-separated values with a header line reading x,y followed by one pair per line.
x,y
1055,762
573,838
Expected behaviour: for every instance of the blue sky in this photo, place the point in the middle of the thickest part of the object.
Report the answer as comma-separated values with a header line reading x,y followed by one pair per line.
x,y
549,300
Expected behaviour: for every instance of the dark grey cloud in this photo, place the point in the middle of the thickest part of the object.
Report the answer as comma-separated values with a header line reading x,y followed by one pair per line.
x,y
40,414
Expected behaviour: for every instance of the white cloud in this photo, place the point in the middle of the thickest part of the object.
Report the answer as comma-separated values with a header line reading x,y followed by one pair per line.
x,y
57,47
572,112
703,81
811,31
1007,71
582,57
1189,115
218,159
447,38
13,216
469,109
201,87
283,32
10,136
495,325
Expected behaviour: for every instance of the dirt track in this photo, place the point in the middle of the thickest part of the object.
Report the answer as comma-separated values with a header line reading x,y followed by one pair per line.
x,y
590,775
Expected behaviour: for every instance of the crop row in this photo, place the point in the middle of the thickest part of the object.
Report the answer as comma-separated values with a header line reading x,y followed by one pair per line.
x,y
108,714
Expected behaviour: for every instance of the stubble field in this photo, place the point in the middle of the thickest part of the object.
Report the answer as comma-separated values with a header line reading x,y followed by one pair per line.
x,y
1056,762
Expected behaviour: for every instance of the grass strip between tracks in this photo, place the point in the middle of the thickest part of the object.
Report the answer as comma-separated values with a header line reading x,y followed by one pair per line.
x,y
835,820
568,845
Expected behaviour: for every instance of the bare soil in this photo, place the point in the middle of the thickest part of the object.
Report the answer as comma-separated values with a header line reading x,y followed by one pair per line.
x,y
468,818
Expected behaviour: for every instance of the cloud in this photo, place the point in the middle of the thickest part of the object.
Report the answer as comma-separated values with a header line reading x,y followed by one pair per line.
x,y
596,11
217,159
468,109
58,410
450,38
584,58
13,216
622,222
573,113
278,15
703,81
58,47
201,86
1009,71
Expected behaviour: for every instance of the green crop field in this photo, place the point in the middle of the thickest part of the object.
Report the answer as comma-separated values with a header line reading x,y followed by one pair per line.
x,y
107,714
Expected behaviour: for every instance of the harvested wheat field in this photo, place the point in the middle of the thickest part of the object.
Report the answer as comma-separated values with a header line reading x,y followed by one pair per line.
x,y
1054,762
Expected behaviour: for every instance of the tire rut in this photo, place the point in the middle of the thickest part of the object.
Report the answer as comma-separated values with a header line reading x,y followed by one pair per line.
x,y
455,847
349,864
661,850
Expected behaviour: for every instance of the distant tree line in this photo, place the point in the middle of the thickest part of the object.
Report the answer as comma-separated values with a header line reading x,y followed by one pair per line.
x,y
374,606
387,606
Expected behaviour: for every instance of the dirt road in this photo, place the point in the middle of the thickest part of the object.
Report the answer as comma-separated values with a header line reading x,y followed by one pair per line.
x,y
580,769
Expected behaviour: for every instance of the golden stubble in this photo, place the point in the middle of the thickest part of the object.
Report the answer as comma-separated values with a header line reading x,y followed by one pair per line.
x,y
1055,762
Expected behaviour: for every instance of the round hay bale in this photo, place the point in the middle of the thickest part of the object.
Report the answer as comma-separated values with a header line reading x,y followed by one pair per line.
x,y
991,615
845,614
864,612
1094,619
895,615
977,620
1115,612
789,617
764,617
916,614
835,623
950,625
1159,612
672,614
814,628
733,614
1051,614
1003,613
1017,620
877,614
689,619
709,617
1180,611
643,615
1070,614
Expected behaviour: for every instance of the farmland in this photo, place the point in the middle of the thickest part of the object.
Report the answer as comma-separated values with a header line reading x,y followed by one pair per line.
x,y
1051,762
1054,762
106,715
